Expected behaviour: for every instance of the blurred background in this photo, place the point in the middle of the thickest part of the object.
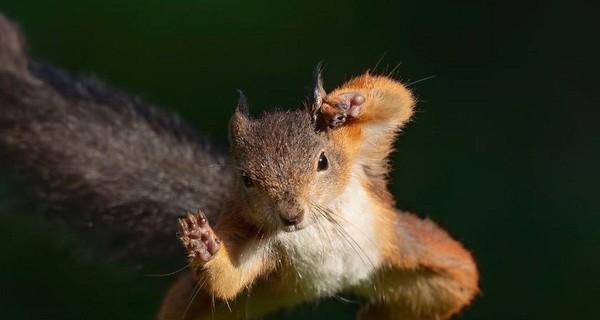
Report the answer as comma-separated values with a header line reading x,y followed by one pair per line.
x,y
503,152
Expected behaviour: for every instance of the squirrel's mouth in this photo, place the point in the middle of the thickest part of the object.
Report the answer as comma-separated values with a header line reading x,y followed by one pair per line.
x,y
294,227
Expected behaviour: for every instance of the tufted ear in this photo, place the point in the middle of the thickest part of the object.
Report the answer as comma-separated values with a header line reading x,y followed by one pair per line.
x,y
318,92
240,119
242,105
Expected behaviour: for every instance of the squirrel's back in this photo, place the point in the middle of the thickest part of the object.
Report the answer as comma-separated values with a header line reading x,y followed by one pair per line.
x,y
102,161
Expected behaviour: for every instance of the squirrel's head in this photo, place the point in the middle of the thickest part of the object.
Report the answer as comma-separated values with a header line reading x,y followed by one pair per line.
x,y
288,169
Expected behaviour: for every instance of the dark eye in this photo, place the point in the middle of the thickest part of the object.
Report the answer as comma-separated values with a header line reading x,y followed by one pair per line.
x,y
246,179
323,162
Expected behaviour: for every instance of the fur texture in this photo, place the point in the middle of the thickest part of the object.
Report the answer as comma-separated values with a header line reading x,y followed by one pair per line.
x,y
331,257
348,236
290,227
104,162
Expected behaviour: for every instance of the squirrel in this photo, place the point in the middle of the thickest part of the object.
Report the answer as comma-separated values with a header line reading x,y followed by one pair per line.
x,y
304,213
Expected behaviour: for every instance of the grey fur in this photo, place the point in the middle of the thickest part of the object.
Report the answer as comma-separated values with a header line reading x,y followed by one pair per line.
x,y
102,161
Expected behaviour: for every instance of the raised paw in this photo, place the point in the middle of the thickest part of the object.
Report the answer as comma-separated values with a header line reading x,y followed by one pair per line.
x,y
336,110
197,236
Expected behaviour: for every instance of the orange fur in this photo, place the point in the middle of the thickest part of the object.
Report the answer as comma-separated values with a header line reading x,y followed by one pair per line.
x,y
423,273
437,276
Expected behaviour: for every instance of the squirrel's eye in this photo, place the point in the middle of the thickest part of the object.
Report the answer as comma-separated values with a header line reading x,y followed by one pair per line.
x,y
323,162
246,179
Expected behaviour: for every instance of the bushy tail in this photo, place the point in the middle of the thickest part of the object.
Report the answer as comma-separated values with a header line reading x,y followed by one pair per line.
x,y
100,160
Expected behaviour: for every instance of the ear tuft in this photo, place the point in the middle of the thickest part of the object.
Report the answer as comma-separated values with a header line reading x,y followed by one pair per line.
x,y
240,119
318,92
242,106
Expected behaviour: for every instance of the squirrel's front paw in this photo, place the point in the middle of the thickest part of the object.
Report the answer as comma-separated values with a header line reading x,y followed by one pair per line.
x,y
341,107
197,236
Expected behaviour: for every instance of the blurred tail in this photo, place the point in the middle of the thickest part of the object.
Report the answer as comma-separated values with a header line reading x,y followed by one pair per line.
x,y
100,160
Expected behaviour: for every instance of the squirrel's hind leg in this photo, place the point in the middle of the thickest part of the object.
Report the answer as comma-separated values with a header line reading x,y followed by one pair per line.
x,y
426,275
418,294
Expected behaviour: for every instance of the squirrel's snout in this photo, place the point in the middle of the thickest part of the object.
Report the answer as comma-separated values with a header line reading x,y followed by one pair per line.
x,y
293,218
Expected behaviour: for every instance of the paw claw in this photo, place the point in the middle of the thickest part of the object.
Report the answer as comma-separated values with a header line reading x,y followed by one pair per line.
x,y
197,236
337,120
342,107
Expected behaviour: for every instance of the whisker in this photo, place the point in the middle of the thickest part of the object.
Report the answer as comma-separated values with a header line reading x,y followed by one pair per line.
x,y
167,274
420,80
345,300
321,228
339,228
213,304
196,290
248,291
329,215
367,237
379,61
255,237
227,304
356,246
394,70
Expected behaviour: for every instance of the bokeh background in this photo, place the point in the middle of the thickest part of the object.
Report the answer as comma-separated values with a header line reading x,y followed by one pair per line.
x,y
503,152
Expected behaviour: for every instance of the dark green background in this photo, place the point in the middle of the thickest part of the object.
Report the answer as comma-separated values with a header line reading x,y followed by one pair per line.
x,y
503,152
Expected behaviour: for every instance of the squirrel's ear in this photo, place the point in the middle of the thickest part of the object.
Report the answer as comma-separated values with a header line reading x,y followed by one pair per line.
x,y
318,92
240,119
242,106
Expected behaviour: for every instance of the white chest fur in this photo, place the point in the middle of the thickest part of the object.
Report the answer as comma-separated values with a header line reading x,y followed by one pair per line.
x,y
328,257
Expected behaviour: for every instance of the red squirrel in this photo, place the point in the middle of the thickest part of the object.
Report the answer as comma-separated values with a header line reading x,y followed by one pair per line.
x,y
311,216
298,211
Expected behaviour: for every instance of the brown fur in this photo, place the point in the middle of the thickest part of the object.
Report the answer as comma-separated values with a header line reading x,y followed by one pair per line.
x,y
119,170
424,274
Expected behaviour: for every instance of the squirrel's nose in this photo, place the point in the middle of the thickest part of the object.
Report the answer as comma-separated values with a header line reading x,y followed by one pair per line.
x,y
292,219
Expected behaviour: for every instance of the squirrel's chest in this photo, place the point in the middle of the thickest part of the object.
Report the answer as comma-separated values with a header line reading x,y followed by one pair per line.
x,y
336,253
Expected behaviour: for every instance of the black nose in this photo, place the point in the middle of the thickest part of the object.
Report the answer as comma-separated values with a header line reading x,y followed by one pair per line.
x,y
293,219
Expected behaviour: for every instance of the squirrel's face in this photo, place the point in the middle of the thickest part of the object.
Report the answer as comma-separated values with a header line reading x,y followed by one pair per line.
x,y
289,172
